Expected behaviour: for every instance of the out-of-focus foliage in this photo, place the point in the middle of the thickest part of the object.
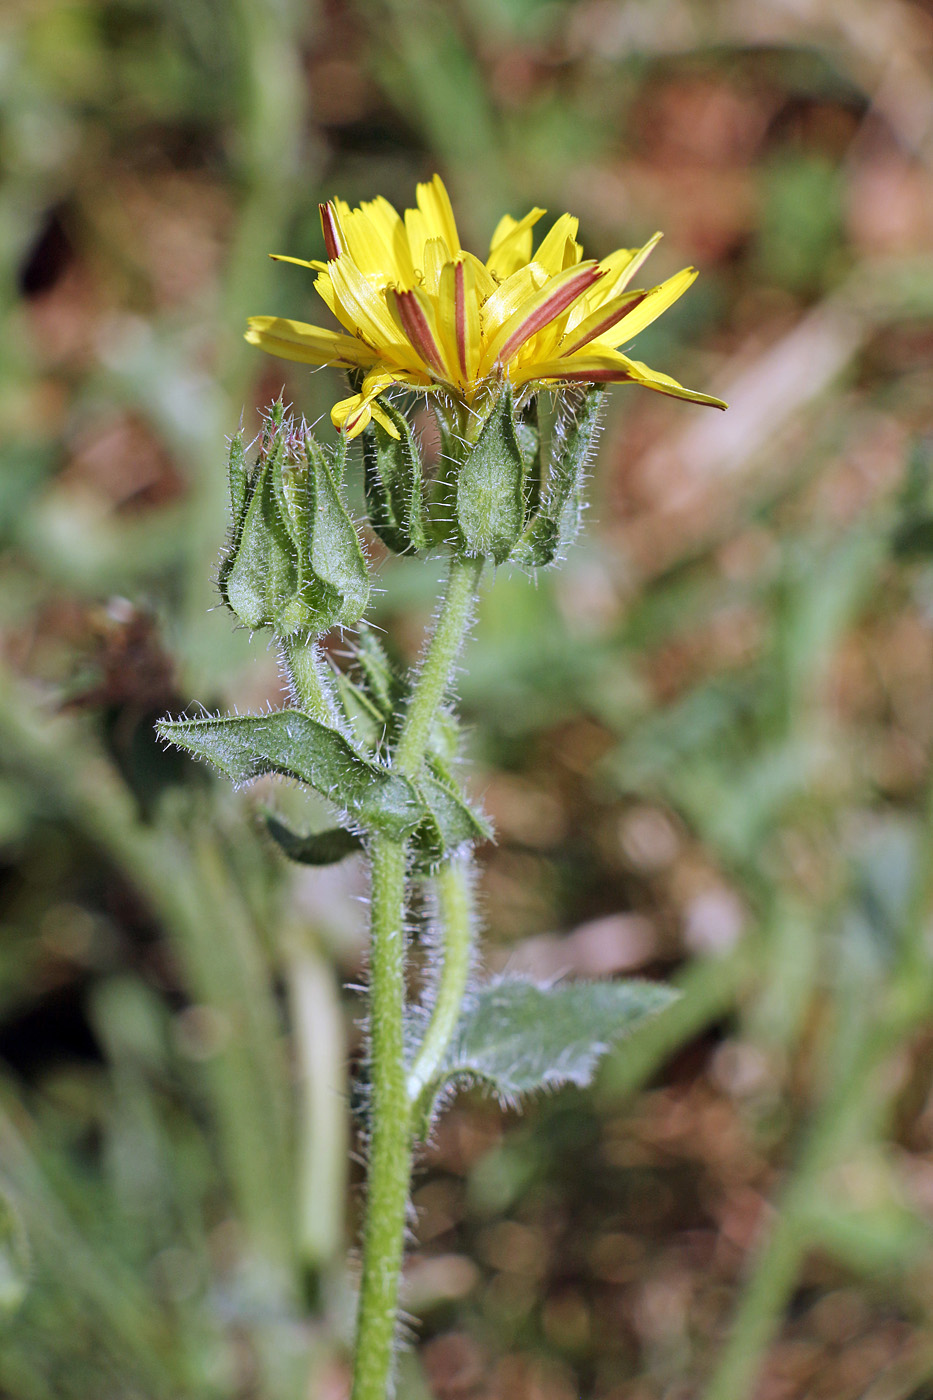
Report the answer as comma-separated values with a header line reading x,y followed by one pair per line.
x,y
704,743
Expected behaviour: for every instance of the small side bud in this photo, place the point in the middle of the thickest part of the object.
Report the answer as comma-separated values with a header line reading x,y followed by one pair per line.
x,y
294,562
556,523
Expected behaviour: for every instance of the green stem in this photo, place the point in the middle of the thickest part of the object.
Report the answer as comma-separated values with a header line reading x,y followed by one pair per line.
x,y
390,1142
390,1147
309,678
453,621
456,911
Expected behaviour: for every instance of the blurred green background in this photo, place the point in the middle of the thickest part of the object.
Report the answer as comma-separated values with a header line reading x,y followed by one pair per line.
x,y
704,743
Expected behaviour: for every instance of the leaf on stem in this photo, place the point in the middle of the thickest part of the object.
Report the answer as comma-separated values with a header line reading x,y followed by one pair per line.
x,y
292,744
517,1037
451,821
317,848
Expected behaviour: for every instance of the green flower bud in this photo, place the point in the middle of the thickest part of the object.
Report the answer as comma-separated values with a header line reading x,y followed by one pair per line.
x,y
502,497
558,512
393,476
513,505
491,504
294,561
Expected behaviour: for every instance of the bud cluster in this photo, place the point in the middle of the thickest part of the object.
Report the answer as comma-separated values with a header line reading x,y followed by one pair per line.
x,y
294,561
493,496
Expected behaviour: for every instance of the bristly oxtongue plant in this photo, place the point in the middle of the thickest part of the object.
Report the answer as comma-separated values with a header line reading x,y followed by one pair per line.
x,y
480,340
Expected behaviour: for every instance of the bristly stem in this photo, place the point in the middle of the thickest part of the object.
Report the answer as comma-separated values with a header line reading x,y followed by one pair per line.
x,y
455,907
307,674
390,1137
390,1144
450,629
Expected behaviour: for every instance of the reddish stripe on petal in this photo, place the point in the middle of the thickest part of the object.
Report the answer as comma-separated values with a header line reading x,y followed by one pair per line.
x,y
418,331
460,319
331,231
551,307
604,325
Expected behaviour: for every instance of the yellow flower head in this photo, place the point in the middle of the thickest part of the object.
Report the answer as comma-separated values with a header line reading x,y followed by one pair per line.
x,y
419,310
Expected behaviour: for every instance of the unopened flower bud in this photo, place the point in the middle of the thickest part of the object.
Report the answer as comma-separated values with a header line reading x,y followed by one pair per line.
x,y
294,561
503,494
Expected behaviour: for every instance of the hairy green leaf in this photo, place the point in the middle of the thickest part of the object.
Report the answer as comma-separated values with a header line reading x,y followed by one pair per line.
x,y
318,848
451,821
517,1037
291,743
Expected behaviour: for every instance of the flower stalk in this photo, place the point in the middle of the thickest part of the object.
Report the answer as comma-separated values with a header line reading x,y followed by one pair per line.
x,y
455,913
390,1148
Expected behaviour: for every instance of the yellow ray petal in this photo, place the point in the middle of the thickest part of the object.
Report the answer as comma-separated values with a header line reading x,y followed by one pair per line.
x,y
510,247
537,311
367,307
664,384
502,230
309,345
366,246
556,249
331,215
325,289
649,308
509,296
434,203
483,280
384,420
458,318
415,314
315,263
600,322
352,415
608,367
622,266
391,226
436,256
592,365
